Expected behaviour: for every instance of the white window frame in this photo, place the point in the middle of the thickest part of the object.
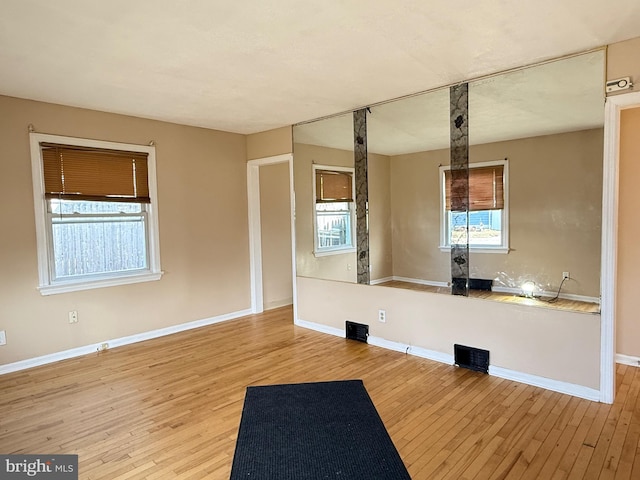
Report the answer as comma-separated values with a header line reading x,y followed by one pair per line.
x,y
323,252
444,241
47,284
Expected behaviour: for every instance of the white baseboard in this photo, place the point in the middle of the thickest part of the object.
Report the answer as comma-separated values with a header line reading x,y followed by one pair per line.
x,y
338,332
420,281
118,342
526,378
388,344
547,383
378,281
628,360
567,296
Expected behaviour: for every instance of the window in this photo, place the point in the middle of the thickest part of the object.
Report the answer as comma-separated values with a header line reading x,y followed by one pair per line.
x,y
96,214
486,222
333,210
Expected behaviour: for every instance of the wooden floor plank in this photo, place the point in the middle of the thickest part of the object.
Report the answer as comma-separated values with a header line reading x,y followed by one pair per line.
x,y
170,408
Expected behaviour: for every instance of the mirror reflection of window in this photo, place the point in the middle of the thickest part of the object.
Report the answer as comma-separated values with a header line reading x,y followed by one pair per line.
x,y
487,222
334,210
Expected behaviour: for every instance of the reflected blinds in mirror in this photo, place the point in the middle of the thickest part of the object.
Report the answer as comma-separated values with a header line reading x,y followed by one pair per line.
x,y
333,186
486,188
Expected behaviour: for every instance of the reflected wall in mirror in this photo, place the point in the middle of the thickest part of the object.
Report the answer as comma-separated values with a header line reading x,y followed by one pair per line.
x,y
398,132
546,121
325,218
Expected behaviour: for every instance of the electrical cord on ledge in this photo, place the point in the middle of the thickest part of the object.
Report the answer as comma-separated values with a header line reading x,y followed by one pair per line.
x,y
555,299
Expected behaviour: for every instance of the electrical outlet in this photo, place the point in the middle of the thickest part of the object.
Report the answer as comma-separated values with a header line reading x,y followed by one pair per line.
x,y
73,316
382,316
3,337
104,347
565,275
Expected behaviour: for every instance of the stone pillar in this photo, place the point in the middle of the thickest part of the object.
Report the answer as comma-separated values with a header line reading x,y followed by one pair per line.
x,y
459,110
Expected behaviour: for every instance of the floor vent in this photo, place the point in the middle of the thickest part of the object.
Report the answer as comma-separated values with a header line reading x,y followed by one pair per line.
x,y
357,331
471,358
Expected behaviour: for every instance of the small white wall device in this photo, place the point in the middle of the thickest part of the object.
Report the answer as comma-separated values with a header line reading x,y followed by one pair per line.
x,y
619,84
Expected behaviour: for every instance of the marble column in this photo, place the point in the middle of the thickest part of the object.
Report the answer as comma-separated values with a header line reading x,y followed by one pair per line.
x,y
459,110
362,193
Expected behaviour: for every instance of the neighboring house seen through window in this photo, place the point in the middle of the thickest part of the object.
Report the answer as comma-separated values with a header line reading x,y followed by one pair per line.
x,y
95,213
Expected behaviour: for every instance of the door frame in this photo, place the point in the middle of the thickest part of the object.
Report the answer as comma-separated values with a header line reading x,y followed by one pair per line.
x,y
255,228
610,183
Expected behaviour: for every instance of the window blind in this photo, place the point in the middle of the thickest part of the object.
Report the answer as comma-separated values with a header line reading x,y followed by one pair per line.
x,y
486,188
333,186
78,173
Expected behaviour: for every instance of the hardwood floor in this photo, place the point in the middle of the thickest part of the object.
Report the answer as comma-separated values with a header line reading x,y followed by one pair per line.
x,y
170,408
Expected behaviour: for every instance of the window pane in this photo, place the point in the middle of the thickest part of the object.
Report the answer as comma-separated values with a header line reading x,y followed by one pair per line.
x,y
485,228
62,207
333,225
86,244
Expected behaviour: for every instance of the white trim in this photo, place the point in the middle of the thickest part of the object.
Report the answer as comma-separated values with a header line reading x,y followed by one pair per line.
x,y
334,251
118,342
609,258
255,229
547,383
337,332
431,355
255,237
526,378
123,279
421,282
412,350
472,249
380,280
628,360
46,285
388,344
547,293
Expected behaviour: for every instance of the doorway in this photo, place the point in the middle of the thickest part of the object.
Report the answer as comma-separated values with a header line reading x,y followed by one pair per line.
x,y
271,232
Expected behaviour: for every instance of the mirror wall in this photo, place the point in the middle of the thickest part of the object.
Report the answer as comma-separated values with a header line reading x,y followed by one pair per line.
x,y
546,121
326,144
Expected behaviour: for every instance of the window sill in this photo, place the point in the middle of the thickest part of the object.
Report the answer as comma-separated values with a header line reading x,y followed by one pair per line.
x,y
485,249
326,253
84,284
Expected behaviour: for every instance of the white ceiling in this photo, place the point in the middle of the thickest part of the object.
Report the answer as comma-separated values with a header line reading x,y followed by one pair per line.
x,y
251,66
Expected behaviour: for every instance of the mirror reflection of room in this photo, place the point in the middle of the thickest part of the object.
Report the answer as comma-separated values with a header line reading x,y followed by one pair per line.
x,y
535,187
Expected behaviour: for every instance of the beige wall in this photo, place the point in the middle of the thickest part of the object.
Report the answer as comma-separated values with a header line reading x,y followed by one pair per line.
x,y
269,143
275,219
623,60
558,345
628,301
555,188
202,204
380,231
